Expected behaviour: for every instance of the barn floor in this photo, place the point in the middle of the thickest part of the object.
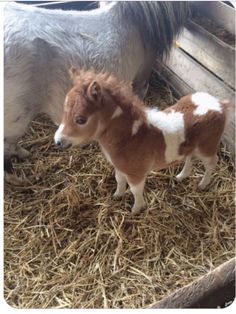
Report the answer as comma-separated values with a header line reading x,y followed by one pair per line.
x,y
68,244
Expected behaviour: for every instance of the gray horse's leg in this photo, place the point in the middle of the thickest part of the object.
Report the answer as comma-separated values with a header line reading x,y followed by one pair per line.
x,y
17,116
13,149
14,129
9,175
141,81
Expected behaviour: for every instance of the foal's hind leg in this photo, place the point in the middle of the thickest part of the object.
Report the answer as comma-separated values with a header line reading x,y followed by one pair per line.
x,y
209,164
186,169
137,187
121,184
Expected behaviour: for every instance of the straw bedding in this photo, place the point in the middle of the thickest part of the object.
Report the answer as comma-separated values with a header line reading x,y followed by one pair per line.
x,y
68,244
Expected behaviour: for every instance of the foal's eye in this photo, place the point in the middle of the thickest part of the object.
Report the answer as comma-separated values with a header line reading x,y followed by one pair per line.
x,y
80,120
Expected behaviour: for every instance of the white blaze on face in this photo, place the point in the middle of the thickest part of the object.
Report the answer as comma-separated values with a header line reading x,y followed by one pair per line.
x,y
58,135
204,103
172,126
136,125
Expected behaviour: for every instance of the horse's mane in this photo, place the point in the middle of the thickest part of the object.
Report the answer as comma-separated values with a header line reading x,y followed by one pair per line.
x,y
158,22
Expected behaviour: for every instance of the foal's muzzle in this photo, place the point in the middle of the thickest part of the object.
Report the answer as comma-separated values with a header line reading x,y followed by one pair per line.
x,y
63,143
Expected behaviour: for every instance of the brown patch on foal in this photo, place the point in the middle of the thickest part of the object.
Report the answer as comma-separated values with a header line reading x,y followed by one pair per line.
x,y
196,125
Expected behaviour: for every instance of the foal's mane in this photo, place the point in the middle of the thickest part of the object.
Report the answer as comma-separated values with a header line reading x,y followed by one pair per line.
x,y
121,92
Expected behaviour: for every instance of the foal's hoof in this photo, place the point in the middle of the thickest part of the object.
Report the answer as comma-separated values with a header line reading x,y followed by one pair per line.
x,y
202,186
117,196
136,210
179,177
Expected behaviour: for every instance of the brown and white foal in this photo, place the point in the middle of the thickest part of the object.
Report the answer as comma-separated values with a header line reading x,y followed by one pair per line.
x,y
136,139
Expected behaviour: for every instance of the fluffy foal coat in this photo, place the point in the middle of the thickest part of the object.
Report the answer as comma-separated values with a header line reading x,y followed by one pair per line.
x,y
136,139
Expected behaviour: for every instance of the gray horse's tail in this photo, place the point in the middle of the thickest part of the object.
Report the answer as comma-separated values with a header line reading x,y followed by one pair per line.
x,y
158,22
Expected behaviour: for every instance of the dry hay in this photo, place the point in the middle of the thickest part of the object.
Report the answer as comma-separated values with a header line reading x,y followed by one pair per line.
x,y
68,244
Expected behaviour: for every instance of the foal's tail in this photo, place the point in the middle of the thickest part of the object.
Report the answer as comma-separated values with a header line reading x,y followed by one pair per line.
x,y
158,22
229,130
228,111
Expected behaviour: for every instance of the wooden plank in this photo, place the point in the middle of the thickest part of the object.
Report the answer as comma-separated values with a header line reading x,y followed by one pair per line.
x,y
196,76
65,5
180,87
221,13
216,288
211,52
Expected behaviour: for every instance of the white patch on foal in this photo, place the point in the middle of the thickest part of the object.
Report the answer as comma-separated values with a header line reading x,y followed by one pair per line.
x,y
136,125
172,126
58,133
205,102
66,100
117,112
108,158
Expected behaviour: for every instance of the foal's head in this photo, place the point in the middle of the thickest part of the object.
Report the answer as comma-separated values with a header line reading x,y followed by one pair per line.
x,y
80,120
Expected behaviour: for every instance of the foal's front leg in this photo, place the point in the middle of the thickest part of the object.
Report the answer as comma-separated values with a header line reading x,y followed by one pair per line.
x,y
137,187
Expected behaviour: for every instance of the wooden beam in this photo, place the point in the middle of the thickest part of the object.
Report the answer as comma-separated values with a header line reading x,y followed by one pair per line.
x,y
209,51
215,289
197,76
221,13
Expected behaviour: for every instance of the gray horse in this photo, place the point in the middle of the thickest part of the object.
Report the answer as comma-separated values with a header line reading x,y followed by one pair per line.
x,y
40,45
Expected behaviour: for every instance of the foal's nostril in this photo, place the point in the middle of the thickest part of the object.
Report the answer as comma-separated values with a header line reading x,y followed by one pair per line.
x,y
58,142
62,143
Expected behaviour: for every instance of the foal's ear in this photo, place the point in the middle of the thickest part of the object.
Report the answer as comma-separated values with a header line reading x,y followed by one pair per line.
x,y
73,72
94,90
